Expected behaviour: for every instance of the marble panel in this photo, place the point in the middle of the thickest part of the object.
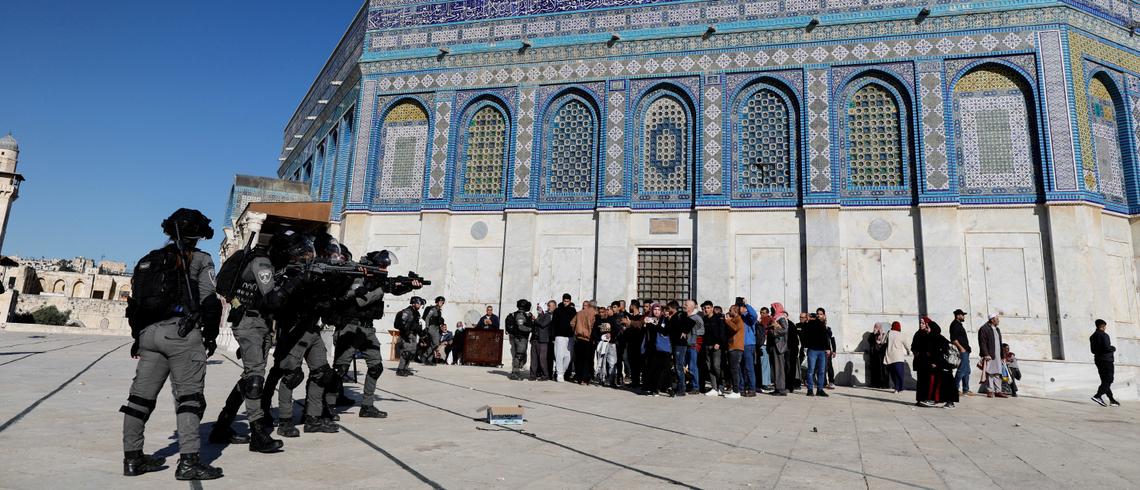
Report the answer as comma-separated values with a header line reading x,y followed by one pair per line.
x,y
900,285
865,280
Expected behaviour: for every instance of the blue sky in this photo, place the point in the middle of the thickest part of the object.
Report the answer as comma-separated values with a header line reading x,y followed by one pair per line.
x,y
128,110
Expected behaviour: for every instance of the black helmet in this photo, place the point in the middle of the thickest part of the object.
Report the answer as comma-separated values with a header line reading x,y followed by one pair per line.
x,y
345,252
416,300
381,258
188,223
523,305
327,247
289,245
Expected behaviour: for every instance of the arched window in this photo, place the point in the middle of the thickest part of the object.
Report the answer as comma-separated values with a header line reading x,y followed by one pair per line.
x,y
766,143
484,152
1106,127
570,147
875,148
994,143
664,146
59,286
404,146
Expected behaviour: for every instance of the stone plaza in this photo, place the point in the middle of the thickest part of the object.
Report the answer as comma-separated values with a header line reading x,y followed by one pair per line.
x,y
60,428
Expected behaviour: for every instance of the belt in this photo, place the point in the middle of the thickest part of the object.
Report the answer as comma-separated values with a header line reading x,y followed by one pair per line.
x,y
252,313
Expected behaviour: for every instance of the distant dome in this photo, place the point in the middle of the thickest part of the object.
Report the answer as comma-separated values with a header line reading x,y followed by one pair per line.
x,y
9,143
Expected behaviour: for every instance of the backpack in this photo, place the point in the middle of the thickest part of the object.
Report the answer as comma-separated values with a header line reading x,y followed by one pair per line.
x,y
156,293
229,276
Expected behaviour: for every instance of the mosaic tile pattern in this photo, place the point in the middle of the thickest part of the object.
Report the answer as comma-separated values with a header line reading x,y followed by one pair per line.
x,y
766,142
437,178
874,139
994,146
360,164
404,136
1057,105
933,127
524,144
484,152
819,130
713,171
1106,141
570,149
615,137
666,144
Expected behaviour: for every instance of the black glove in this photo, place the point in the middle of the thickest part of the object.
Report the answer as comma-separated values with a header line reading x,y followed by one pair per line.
x,y
135,349
211,346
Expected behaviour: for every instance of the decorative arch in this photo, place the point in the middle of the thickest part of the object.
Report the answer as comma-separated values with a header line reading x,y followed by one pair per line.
x,y
765,140
403,151
483,152
59,286
875,137
1109,127
995,122
664,146
79,290
571,131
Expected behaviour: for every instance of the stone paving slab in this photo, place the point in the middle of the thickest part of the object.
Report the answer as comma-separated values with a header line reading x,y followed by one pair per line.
x,y
60,428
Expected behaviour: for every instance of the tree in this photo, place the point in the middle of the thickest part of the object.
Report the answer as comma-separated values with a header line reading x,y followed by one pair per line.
x,y
50,315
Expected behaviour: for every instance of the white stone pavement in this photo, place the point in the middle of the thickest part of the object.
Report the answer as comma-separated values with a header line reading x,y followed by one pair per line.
x,y
59,428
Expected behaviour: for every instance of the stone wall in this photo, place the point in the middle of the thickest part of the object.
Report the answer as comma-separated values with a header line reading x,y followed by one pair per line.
x,y
92,313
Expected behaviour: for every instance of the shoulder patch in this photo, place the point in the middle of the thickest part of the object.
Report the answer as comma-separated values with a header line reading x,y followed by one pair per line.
x,y
264,276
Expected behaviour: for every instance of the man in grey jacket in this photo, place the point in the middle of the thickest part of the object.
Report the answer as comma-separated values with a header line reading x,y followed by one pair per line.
x,y
989,348
540,342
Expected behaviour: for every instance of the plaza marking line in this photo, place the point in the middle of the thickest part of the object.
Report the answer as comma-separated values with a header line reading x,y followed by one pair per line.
x,y
33,406
31,343
672,431
30,354
548,441
401,464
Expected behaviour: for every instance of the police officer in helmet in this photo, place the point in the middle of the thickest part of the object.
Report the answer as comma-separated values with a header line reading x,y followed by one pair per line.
x,y
519,326
174,317
408,323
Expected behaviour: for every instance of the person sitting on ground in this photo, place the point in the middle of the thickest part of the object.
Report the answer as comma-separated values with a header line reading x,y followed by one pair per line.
x,y
1013,371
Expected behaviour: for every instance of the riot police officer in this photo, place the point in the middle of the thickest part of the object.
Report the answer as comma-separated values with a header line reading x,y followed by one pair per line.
x,y
363,305
408,323
247,282
519,326
174,317
433,319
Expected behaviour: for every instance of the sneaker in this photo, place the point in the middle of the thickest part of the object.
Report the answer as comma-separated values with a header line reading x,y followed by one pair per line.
x,y
1099,401
810,393
950,406
831,386
732,396
712,393
820,392
925,403
968,393
1113,403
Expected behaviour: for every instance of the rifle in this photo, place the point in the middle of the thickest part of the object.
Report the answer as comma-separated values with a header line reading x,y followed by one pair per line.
x,y
355,269
236,311
190,321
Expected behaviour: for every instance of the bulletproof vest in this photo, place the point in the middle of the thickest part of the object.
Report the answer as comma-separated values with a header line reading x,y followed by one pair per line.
x,y
520,322
248,293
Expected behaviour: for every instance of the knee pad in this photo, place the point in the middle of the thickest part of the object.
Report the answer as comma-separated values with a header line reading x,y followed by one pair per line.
x,y
293,379
374,372
323,376
193,403
143,413
252,387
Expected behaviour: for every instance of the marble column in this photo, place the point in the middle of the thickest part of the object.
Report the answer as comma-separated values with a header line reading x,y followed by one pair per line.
x,y
616,256
943,252
712,265
1078,257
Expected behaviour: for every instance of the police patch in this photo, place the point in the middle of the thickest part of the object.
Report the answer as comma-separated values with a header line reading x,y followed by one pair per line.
x,y
264,276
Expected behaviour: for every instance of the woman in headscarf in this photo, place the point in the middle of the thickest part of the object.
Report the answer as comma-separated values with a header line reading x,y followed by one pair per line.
x,y
942,388
876,350
920,344
898,347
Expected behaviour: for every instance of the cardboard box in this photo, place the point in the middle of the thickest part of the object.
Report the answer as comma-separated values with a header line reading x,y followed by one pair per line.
x,y
505,415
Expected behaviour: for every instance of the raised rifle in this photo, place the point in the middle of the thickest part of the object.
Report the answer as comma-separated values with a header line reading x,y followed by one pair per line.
x,y
237,311
190,320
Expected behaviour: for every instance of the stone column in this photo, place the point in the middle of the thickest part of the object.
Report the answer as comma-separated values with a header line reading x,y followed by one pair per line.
x,y
520,268
825,265
1077,238
713,251
616,258
943,252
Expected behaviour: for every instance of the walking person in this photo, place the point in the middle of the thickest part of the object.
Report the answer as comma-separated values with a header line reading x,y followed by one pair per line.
x,y
961,341
942,387
989,348
898,347
1103,356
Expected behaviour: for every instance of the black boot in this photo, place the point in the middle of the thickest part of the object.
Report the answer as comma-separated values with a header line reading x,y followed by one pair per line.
x,y
136,463
260,439
223,433
371,412
317,424
287,429
190,468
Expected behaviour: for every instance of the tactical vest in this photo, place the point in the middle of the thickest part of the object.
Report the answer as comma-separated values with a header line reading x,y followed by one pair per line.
x,y
248,294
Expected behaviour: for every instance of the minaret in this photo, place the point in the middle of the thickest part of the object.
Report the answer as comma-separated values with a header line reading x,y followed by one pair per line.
x,y
9,181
